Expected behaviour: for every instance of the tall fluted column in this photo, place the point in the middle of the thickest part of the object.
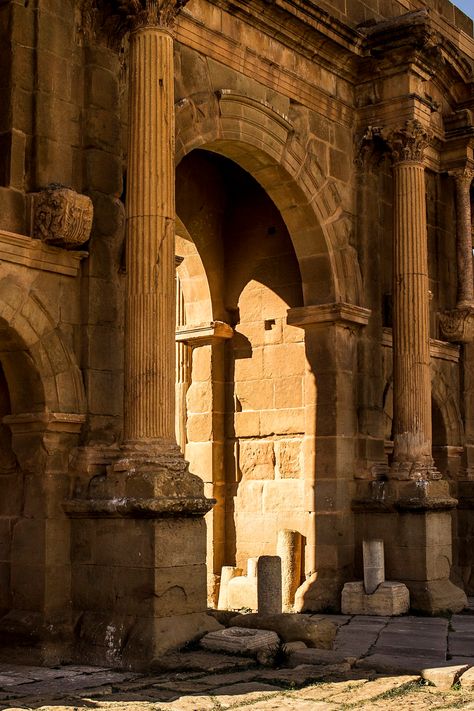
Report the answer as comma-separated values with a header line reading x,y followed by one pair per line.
x,y
463,179
458,324
150,313
411,339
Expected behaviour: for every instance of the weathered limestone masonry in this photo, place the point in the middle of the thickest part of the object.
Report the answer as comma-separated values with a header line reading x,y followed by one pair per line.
x,y
299,176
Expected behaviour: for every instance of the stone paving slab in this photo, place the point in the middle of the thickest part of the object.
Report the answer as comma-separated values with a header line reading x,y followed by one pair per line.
x,y
202,681
396,664
227,696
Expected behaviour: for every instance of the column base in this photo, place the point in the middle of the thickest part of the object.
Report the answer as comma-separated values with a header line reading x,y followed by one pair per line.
x,y
416,471
435,597
129,642
36,638
138,542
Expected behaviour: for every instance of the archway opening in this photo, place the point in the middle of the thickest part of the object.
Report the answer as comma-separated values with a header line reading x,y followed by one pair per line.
x,y
245,400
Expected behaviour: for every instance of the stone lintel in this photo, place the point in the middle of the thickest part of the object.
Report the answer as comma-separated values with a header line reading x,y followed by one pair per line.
x,y
204,334
341,313
45,421
438,349
32,253
129,507
457,325
430,503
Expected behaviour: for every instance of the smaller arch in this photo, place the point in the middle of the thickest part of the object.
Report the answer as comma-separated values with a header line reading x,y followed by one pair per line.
x,y
39,365
449,416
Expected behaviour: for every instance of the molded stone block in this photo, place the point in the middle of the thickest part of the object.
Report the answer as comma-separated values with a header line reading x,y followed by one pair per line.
x,y
289,459
257,459
389,599
236,640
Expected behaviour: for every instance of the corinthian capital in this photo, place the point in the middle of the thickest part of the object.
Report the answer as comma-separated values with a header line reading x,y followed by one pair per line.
x,y
462,176
407,144
143,13
109,20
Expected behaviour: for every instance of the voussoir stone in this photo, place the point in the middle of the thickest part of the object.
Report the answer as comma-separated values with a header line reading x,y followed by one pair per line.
x,y
262,644
292,628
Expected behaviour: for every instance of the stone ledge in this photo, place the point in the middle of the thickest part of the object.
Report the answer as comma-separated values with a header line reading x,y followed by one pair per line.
x,y
32,253
205,333
346,314
44,421
159,507
413,504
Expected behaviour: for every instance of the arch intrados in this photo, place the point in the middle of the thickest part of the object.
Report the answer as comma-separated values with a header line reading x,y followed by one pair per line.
x,y
193,280
24,382
41,354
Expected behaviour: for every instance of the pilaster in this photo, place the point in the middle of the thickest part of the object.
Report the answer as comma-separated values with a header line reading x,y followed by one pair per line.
x,y
331,336
205,435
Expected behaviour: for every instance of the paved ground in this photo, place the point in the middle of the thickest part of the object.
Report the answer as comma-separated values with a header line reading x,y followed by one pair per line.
x,y
377,663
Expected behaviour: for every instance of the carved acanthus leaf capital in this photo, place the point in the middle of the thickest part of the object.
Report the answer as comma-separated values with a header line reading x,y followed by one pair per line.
x,y
407,144
110,20
457,325
145,13
463,177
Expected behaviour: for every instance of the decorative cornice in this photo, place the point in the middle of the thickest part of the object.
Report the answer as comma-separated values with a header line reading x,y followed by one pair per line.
x,y
34,254
345,314
407,144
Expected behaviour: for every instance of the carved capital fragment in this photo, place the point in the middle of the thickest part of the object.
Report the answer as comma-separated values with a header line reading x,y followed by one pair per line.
x,y
62,217
457,325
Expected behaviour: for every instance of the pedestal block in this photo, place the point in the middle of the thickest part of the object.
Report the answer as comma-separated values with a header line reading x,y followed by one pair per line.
x,y
414,521
388,600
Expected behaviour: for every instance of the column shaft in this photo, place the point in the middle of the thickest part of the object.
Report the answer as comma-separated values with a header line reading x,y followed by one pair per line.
x,y
411,345
150,312
463,181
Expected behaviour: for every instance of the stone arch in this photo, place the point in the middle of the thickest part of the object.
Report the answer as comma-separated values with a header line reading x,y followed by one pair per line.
x,y
262,141
445,400
35,355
